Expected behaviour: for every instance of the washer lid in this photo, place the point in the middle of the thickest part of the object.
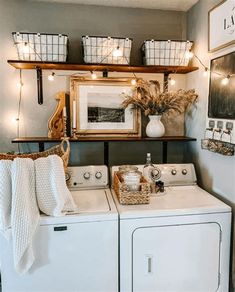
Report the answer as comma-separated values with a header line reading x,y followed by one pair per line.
x,y
179,200
93,205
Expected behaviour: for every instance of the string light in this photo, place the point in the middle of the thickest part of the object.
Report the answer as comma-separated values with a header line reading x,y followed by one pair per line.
x,y
20,84
225,80
133,82
172,81
205,73
51,77
93,75
117,52
25,48
189,55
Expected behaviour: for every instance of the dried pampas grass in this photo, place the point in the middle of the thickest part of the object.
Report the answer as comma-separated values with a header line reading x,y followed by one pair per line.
x,y
146,95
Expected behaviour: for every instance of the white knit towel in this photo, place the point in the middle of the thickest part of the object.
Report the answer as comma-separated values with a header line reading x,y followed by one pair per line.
x,y
5,197
53,196
25,214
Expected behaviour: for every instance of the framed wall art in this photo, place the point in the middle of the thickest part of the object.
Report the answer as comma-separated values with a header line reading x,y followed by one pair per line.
x,y
221,25
222,97
99,110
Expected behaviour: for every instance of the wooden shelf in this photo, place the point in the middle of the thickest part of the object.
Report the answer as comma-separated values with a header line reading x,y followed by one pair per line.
x,y
100,67
104,139
164,140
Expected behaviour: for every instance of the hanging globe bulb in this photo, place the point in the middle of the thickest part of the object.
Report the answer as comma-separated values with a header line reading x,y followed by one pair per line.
x,y
51,77
205,73
133,82
117,52
225,80
93,76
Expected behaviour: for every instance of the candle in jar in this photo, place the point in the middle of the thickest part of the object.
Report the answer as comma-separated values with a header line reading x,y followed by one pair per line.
x,y
64,112
74,114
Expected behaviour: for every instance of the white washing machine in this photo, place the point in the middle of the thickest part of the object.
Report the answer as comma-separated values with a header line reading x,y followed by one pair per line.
x,y
77,252
180,242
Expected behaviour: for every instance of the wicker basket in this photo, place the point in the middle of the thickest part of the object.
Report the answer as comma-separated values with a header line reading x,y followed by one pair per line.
x,y
41,46
56,150
166,53
127,197
98,49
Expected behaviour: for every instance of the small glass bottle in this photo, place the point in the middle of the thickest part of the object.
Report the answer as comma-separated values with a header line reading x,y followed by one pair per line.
x,y
151,172
148,168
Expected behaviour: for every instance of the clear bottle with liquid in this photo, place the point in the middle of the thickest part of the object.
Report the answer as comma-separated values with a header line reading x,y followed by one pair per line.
x,y
148,168
151,172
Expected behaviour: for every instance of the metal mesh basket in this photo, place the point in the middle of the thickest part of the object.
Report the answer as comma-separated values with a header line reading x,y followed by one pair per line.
x,y
166,53
98,49
41,46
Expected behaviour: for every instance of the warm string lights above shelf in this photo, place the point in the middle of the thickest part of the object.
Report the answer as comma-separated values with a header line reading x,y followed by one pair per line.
x,y
117,52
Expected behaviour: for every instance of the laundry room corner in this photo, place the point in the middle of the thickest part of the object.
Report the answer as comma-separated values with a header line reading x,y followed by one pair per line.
x,y
216,173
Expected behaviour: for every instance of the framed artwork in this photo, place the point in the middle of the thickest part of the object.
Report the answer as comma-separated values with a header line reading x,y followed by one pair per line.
x,y
99,110
221,25
222,97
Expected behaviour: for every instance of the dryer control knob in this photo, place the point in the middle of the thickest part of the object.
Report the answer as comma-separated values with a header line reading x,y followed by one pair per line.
x,y
173,172
87,175
184,171
98,175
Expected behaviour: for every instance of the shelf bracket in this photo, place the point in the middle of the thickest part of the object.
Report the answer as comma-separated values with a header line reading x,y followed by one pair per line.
x,y
105,73
166,79
41,146
164,152
39,85
106,153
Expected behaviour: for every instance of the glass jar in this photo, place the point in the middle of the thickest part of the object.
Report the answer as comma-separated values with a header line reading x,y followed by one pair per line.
x,y
130,176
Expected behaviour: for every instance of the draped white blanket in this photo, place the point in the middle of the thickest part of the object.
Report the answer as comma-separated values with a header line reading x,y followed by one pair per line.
x,y
53,196
5,197
24,214
23,182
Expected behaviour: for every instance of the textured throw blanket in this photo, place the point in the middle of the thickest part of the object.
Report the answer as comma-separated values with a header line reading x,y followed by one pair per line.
x,y
53,196
5,197
24,214
25,187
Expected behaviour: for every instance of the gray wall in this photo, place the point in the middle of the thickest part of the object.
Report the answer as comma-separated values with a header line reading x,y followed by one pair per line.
x,y
74,20
216,172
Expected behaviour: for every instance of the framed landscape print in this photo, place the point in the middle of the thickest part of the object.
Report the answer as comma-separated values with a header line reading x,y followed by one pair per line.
x,y
221,25
222,97
99,110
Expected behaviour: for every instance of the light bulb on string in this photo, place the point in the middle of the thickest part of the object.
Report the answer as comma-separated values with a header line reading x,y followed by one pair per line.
x,y
189,55
93,75
117,52
172,81
225,80
20,84
206,71
51,77
133,82
25,48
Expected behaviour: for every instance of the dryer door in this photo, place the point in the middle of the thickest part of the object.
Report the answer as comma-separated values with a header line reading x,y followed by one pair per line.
x,y
179,258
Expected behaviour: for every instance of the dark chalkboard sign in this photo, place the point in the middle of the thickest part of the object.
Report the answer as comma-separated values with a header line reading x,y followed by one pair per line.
x,y
222,97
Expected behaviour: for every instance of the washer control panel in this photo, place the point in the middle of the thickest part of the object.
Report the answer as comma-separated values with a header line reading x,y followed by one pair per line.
x,y
87,177
178,174
172,174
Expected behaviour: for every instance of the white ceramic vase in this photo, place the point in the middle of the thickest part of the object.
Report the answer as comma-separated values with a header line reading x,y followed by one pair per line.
x,y
155,127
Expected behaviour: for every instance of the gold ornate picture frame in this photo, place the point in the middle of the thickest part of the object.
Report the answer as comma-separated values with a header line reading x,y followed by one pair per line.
x,y
98,111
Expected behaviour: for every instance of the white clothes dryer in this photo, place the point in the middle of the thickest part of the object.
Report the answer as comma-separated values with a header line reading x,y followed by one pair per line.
x,y
180,242
76,252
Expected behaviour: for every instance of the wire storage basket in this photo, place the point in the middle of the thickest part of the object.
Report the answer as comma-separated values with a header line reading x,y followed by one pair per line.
x,y
166,52
106,50
41,46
